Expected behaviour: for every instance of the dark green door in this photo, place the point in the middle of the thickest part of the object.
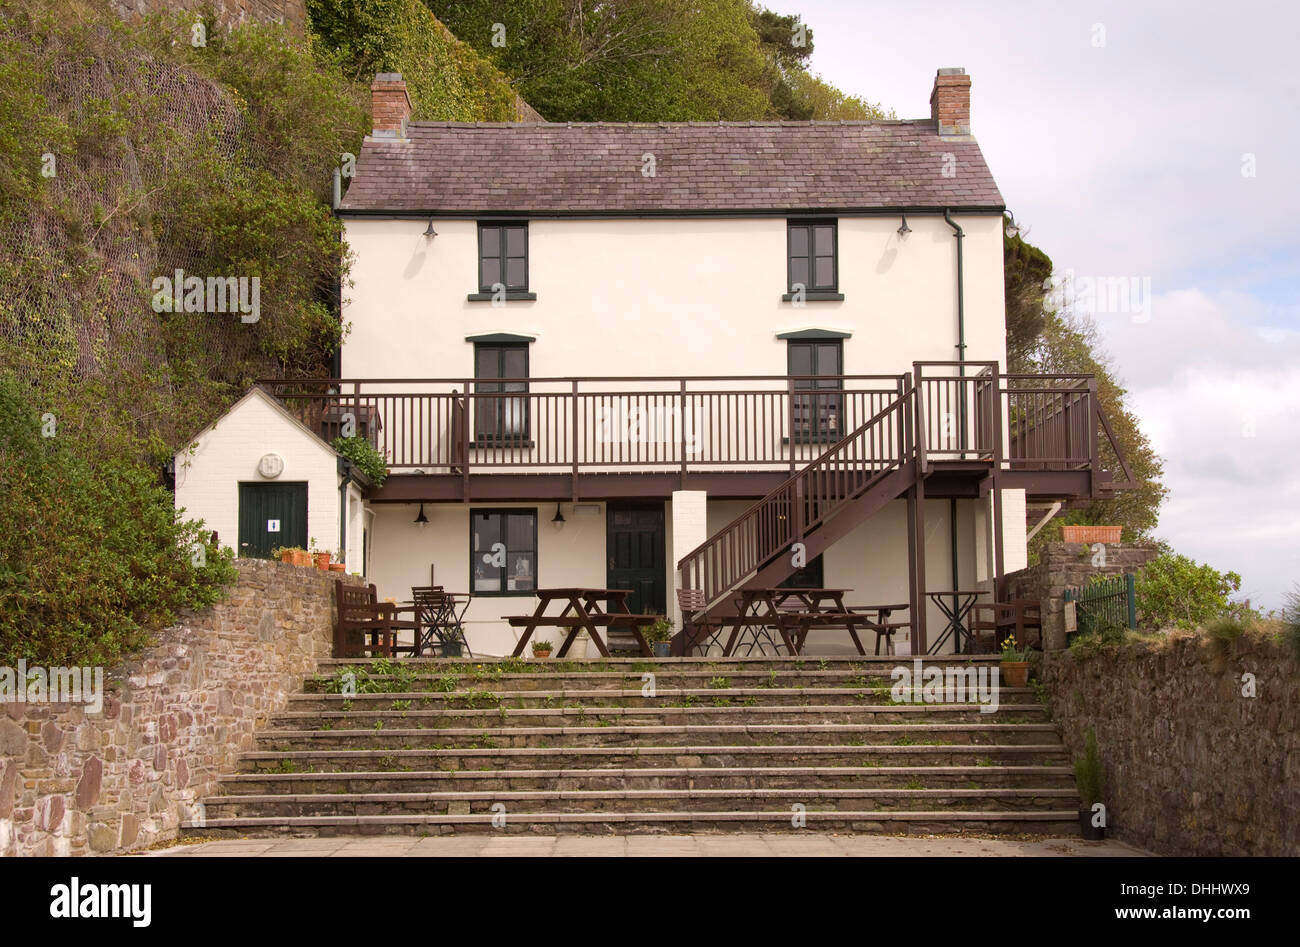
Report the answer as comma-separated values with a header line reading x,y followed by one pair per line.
x,y
270,515
635,547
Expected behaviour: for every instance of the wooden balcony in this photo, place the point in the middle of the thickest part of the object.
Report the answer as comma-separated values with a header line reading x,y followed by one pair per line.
x,y
459,438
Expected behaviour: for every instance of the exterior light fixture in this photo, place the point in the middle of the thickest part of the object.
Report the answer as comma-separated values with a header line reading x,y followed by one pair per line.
x,y
903,229
557,521
420,519
1013,228
429,232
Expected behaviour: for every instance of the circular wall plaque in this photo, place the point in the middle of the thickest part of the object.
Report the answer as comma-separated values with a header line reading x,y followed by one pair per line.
x,y
270,466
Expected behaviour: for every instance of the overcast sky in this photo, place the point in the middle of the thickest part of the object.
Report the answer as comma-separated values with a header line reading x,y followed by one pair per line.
x,y
1153,141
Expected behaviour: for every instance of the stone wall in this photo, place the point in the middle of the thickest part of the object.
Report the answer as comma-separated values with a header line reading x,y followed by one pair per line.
x,y
229,12
174,718
1192,766
1064,565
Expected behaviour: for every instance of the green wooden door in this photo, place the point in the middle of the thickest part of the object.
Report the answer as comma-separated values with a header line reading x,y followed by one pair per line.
x,y
635,547
271,515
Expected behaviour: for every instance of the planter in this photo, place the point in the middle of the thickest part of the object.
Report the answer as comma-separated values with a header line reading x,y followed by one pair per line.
x,y
302,557
1015,673
541,655
1091,534
451,650
337,567
286,556
322,559
578,650
1087,831
661,648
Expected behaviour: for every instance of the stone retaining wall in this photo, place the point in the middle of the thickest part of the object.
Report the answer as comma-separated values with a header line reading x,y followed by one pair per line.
x,y
174,718
1065,565
1192,767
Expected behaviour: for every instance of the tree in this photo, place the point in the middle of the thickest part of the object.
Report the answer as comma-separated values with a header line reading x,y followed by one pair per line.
x,y
1041,339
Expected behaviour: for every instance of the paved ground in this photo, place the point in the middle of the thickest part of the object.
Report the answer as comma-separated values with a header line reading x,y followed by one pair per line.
x,y
653,845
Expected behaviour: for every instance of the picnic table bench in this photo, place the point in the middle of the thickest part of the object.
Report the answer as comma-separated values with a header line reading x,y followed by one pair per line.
x,y
582,612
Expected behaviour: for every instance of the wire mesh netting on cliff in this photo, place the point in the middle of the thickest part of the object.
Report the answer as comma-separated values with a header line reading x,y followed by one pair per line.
x,y
80,260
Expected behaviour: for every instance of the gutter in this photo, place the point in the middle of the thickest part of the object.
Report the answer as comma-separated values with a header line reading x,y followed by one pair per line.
x,y
806,213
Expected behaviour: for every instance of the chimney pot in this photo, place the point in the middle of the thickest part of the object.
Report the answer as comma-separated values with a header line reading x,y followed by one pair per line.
x,y
950,102
390,106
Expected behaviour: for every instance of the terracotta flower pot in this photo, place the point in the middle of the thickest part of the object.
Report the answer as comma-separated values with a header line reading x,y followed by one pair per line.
x,y
1091,534
337,567
286,555
302,557
541,655
1015,673
322,560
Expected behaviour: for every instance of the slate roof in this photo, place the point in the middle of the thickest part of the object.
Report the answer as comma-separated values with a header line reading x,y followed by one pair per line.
x,y
589,168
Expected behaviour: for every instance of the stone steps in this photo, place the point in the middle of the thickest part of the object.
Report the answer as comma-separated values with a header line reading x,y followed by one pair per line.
x,y
366,718
717,777
468,802
750,744
596,756
835,734
664,697
1044,822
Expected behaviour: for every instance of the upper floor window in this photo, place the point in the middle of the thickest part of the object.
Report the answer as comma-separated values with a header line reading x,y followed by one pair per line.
x,y
819,399
499,418
811,256
503,258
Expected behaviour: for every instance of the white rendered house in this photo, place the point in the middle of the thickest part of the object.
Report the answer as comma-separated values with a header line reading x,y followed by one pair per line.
x,y
702,355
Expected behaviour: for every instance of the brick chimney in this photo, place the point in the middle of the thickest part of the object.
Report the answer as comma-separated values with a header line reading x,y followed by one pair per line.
x,y
390,106
950,102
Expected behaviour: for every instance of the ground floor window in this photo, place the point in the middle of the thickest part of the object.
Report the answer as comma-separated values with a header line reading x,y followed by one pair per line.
x,y
503,551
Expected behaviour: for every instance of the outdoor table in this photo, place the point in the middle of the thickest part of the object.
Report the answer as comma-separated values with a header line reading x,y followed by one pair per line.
x,y
957,607
825,608
587,614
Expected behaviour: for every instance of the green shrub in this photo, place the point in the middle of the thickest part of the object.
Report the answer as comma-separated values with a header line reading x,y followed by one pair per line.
x,y
364,456
1175,590
1291,622
1223,633
93,556
1088,772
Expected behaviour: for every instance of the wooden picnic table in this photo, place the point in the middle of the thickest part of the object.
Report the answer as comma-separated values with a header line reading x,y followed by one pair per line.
x,y
587,615
794,612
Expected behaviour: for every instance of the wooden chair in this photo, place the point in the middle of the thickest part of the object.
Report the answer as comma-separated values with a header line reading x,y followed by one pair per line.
x,y
699,630
998,620
365,626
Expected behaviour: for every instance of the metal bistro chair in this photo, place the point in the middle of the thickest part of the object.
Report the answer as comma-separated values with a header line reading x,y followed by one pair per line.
x,y
702,630
435,609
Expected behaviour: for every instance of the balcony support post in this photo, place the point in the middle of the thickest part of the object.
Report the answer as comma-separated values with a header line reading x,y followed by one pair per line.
x,y
916,563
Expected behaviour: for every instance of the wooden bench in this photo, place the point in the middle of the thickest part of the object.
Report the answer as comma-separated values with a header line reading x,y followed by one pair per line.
x,y
365,626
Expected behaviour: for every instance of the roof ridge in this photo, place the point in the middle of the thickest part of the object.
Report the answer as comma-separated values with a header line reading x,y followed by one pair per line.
x,y
783,123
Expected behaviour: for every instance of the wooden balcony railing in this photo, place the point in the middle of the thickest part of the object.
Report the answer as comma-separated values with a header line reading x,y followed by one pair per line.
x,y
751,423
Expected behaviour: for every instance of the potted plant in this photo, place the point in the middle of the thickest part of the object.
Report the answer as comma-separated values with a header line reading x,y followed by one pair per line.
x,y
337,565
658,635
541,649
1088,778
1015,663
321,557
452,648
294,555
